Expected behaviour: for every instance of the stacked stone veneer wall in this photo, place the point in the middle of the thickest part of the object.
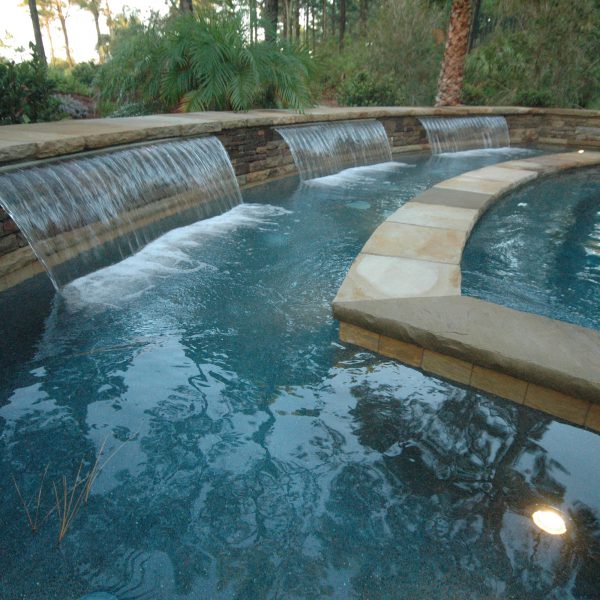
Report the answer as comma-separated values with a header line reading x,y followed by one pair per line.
x,y
257,154
257,151
11,238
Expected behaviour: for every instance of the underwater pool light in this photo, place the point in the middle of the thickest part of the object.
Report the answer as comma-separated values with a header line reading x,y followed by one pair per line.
x,y
580,151
550,521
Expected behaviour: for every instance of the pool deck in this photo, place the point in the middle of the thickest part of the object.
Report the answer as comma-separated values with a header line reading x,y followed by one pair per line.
x,y
402,298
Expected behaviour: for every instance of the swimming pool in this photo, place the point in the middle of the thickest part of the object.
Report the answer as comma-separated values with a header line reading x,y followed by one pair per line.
x,y
259,457
538,250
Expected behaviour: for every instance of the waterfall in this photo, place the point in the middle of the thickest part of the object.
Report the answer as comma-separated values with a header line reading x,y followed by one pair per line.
x,y
325,148
85,213
465,133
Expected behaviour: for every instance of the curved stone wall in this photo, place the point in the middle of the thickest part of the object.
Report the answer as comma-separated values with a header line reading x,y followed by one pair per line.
x,y
402,298
257,152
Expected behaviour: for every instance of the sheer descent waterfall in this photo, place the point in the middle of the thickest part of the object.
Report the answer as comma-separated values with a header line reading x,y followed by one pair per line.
x,y
326,148
84,213
465,133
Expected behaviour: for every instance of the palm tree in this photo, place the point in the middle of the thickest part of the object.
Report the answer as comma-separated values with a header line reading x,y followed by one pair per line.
x,y
35,20
451,77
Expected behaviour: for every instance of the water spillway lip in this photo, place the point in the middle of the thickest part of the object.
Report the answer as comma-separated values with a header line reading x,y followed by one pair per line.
x,y
50,160
402,297
323,123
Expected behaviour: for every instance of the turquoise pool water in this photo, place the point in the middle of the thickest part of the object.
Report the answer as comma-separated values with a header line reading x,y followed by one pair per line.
x,y
258,457
538,250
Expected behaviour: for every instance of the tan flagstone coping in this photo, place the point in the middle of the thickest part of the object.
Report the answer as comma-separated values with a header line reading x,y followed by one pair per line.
x,y
402,298
42,140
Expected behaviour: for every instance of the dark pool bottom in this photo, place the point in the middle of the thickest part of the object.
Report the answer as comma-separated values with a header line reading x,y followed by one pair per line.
x,y
259,458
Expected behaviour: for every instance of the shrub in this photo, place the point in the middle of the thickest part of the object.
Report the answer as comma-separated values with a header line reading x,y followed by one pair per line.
x,y
26,92
76,80
542,53
363,90
398,62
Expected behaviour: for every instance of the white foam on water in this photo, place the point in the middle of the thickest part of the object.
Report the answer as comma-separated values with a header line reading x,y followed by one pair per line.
x,y
167,255
505,150
357,173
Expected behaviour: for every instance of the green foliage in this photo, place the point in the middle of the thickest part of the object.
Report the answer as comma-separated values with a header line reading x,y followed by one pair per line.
x,y
363,90
398,61
76,80
203,62
539,53
26,92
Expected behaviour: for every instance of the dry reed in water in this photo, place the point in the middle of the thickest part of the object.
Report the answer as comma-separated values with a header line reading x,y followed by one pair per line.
x,y
33,520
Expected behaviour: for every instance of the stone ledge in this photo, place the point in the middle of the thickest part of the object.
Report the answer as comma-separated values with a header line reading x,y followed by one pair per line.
x,y
419,311
519,344
574,410
42,140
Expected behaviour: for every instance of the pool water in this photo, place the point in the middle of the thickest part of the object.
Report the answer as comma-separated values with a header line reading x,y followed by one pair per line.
x,y
258,457
538,250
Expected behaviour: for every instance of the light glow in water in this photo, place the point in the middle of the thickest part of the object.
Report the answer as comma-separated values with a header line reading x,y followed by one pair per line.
x,y
550,521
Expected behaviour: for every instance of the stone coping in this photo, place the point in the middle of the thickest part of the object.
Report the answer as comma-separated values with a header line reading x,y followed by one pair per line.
x,y
42,140
402,298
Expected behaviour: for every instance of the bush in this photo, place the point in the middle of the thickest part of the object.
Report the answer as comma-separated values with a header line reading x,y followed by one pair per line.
x,y
76,80
193,63
363,90
85,73
535,98
542,53
27,92
398,62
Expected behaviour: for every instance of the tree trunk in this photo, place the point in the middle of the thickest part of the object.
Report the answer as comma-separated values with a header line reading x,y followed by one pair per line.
x,y
271,13
63,25
49,34
297,19
285,18
35,21
99,46
306,40
333,21
185,6
342,22
108,15
363,11
324,22
451,77
473,32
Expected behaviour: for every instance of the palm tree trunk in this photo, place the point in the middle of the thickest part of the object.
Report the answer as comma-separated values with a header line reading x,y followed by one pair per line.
x,y
450,82
35,21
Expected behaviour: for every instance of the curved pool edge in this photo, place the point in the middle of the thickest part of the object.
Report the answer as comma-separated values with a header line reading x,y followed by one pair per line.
x,y
402,298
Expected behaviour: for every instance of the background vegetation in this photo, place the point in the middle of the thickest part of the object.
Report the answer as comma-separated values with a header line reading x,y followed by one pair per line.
x,y
294,53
